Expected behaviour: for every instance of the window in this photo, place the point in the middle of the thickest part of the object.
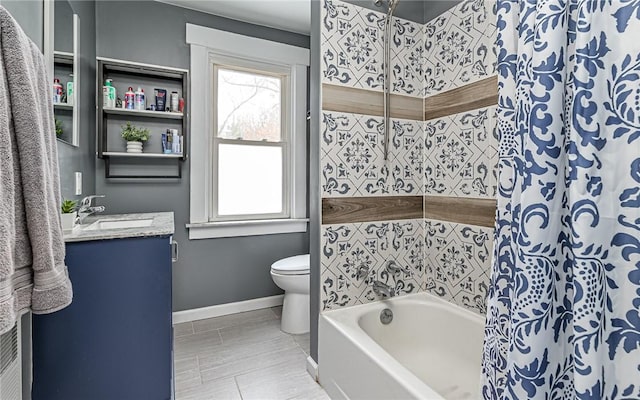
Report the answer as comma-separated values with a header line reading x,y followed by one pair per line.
x,y
248,127
250,144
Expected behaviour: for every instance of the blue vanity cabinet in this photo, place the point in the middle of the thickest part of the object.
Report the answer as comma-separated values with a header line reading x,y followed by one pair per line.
x,y
115,339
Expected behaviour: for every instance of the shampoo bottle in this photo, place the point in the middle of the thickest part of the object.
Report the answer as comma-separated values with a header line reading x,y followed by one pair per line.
x,y
140,101
108,94
129,99
57,91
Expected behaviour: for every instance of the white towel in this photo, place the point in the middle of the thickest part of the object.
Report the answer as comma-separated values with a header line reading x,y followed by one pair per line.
x,y
32,270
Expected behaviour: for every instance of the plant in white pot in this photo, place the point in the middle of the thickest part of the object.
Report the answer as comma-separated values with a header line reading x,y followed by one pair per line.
x,y
68,214
135,137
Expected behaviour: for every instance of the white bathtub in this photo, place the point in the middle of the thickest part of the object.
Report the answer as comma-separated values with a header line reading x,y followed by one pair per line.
x,y
431,350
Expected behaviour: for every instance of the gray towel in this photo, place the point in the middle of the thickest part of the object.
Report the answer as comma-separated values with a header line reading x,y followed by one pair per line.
x,y
32,270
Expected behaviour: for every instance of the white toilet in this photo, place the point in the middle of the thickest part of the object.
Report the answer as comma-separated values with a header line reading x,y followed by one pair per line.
x,y
292,275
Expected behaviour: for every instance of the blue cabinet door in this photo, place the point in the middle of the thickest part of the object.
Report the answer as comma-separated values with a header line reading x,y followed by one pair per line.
x,y
114,342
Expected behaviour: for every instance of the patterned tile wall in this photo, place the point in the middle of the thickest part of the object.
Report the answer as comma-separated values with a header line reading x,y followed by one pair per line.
x,y
354,255
457,262
352,49
449,156
459,46
352,159
460,154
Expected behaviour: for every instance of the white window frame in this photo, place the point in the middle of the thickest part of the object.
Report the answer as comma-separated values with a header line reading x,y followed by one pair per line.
x,y
210,47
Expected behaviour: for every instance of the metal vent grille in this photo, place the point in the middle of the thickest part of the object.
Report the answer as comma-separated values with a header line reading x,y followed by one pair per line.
x,y
10,368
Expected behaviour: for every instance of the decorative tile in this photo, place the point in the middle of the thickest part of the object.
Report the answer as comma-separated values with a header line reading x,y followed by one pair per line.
x,y
458,262
352,49
354,255
459,46
460,156
353,161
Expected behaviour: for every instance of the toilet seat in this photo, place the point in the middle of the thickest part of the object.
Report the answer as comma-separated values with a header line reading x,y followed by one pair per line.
x,y
296,265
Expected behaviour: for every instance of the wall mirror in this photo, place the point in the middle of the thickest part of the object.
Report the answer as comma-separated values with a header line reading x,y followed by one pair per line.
x,y
63,42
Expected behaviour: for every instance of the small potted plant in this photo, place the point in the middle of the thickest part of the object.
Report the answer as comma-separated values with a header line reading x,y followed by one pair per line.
x,y
68,215
135,137
59,131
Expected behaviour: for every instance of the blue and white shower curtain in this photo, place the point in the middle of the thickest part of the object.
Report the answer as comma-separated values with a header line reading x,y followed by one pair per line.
x,y
563,318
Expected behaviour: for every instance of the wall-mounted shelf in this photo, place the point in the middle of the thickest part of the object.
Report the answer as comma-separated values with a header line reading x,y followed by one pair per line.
x,y
140,155
62,106
143,113
63,57
152,163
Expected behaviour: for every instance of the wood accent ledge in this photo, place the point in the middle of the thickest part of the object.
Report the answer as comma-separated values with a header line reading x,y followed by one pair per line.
x,y
347,210
344,210
483,93
369,102
461,210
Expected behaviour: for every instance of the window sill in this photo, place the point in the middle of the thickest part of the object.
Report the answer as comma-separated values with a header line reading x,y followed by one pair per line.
x,y
211,230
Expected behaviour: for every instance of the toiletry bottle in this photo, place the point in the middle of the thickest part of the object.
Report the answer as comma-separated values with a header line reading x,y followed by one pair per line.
x,y
164,142
174,101
108,94
175,141
70,93
129,99
169,142
57,91
140,101
161,96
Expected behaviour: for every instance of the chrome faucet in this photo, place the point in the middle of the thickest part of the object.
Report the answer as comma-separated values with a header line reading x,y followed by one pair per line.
x,y
85,209
383,290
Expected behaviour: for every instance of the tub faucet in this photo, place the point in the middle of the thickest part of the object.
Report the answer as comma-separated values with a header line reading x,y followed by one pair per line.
x,y
85,209
383,290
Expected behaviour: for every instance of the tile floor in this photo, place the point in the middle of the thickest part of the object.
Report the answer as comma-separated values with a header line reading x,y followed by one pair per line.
x,y
242,356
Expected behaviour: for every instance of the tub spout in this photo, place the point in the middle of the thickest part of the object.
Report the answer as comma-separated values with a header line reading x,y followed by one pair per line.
x,y
383,290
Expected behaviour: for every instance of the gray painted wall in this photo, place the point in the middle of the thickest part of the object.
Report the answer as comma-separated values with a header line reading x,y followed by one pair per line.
x,y
420,11
63,26
433,8
407,9
30,16
209,272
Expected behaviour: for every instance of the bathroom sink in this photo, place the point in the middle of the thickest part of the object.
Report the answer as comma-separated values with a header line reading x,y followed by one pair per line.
x,y
119,224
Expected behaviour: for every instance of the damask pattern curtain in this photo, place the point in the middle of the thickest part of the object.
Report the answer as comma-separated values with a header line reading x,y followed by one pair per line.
x,y
563,316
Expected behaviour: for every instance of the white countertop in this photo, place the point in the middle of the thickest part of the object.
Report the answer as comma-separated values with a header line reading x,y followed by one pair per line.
x,y
162,225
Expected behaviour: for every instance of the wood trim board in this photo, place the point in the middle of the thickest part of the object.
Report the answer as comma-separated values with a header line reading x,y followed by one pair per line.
x,y
369,102
461,210
344,210
483,93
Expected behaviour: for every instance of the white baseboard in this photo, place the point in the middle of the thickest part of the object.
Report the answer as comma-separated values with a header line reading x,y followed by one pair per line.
x,y
312,368
226,309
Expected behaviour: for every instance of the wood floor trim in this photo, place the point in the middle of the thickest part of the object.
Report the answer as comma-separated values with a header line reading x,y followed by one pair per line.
x,y
461,210
479,94
345,210
370,102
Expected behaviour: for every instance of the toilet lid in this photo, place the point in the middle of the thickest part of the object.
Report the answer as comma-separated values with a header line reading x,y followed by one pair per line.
x,y
296,265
